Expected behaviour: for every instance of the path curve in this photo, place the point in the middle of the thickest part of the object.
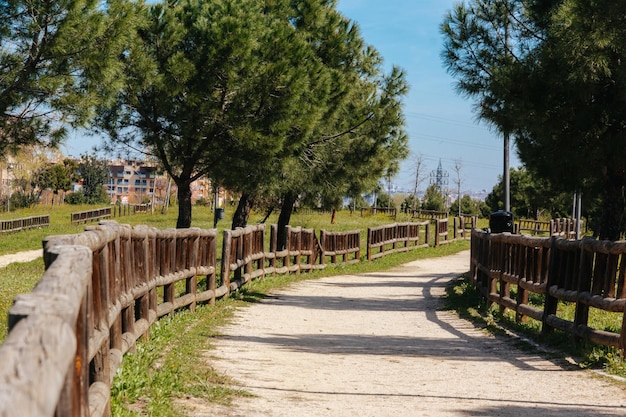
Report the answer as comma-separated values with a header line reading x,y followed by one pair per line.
x,y
25,256
377,344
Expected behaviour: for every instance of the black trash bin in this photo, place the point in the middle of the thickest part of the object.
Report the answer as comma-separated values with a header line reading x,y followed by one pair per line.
x,y
219,213
501,221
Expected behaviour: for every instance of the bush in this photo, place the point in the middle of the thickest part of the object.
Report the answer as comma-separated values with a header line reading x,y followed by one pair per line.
x,y
77,197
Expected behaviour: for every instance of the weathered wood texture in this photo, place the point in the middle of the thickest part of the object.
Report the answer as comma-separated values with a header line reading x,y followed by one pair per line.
x,y
33,222
105,287
397,237
429,214
463,226
588,273
565,228
340,247
120,210
91,215
442,232
556,227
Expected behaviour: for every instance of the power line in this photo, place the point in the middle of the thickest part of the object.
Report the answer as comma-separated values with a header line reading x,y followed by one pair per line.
x,y
440,119
459,142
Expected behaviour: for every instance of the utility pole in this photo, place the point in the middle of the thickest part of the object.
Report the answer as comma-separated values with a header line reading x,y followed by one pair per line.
x,y
458,164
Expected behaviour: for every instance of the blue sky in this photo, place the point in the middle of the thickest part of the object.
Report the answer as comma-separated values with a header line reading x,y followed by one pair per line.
x,y
440,123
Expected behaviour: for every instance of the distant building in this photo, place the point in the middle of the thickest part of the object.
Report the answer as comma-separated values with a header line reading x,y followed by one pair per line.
x,y
134,182
131,182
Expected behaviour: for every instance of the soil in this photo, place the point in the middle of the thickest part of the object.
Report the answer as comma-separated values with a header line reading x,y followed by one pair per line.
x,y
379,344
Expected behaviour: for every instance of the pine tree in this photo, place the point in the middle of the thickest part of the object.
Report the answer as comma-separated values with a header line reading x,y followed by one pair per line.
x,y
58,59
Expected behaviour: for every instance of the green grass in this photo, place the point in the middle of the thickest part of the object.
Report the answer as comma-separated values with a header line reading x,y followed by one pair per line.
x,y
16,279
462,297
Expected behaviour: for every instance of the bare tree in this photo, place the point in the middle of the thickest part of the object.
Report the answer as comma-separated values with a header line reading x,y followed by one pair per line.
x,y
419,176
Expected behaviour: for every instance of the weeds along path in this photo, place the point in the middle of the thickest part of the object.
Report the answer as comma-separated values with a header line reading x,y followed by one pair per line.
x,y
378,344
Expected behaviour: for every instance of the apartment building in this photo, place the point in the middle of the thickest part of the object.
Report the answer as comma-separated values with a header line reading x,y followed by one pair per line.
x,y
134,182
131,182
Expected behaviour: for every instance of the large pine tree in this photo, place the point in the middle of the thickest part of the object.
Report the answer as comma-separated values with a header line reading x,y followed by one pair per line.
x,y
212,87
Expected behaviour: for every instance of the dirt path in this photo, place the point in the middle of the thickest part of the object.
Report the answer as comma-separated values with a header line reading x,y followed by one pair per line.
x,y
377,345
26,256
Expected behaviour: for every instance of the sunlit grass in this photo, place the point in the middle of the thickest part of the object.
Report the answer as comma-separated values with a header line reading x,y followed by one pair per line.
x,y
16,279
463,298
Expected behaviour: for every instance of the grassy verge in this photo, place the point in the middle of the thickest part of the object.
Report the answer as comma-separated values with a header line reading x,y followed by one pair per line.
x,y
16,279
463,298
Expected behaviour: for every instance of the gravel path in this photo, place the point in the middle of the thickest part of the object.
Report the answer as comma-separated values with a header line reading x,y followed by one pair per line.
x,y
378,345
26,256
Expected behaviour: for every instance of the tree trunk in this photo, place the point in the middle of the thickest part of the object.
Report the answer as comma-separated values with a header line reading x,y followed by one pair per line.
x,y
289,200
184,205
613,205
242,213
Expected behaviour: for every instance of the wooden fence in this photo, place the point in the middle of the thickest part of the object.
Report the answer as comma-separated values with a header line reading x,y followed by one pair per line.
x,y
560,227
120,210
340,247
91,215
442,232
429,214
101,291
104,288
391,212
590,274
397,237
463,226
33,222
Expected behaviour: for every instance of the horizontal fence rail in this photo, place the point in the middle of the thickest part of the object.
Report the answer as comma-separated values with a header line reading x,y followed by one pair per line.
x,y
340,247
397,237
91,215
120,210
566,228
429,214
463,226
104,288
16,225
388,211
588,273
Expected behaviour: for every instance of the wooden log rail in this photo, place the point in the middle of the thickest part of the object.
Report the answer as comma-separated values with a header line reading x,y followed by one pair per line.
x,y
564,227
101,291
535,227
442,232
120,210
243,258
594,276
503,262
397,237
340,247
463,226
587,273
429,214
91,215
16,225
301,251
